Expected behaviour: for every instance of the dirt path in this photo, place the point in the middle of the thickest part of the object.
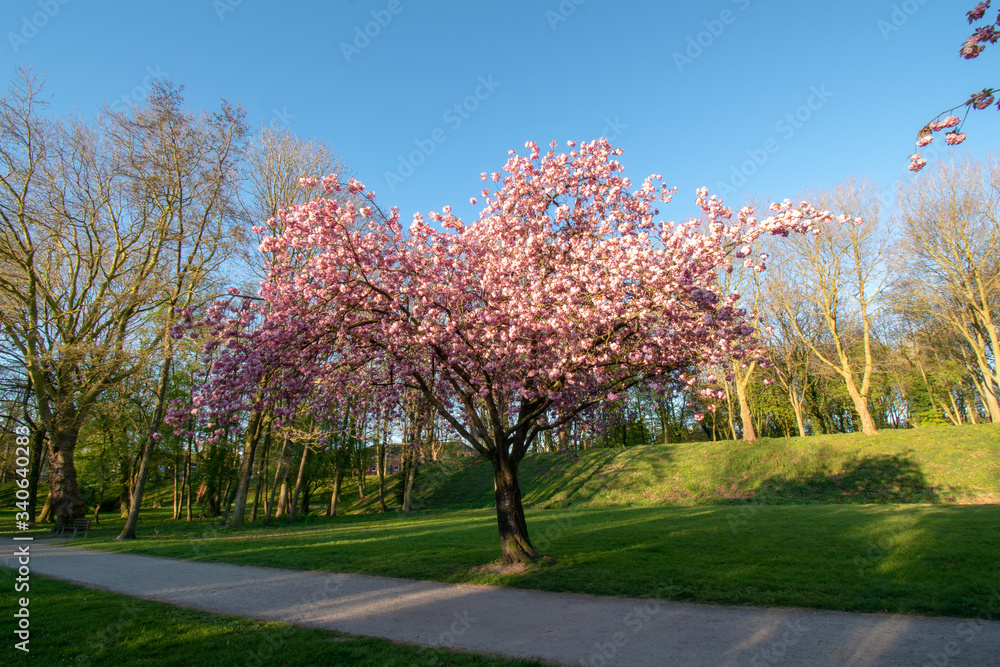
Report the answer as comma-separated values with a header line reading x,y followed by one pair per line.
x,y
565,628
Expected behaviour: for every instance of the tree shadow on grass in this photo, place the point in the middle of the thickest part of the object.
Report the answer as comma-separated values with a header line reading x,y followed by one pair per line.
x,y
884,478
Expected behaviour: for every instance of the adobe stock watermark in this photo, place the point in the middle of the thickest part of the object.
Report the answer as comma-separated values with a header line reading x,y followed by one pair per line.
x,y
777,650
786,126
696,44
140,91
457,628
638,617
277,637
283,115
454,116
223,7
364,34
31,24
900,14
562,12
965,632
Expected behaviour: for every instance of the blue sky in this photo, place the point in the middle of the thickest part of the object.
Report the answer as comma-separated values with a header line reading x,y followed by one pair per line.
x,y
694,91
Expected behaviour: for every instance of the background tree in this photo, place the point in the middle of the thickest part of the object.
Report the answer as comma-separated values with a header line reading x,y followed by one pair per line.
x,y
952,235
839,277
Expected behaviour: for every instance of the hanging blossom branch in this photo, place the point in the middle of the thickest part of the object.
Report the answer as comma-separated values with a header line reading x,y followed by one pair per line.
x,y
971,48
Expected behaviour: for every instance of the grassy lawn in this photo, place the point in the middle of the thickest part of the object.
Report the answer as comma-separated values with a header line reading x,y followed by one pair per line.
x,y
81,626
916,558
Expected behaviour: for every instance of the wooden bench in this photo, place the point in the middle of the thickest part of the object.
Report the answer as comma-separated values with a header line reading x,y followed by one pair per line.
x,y
82,523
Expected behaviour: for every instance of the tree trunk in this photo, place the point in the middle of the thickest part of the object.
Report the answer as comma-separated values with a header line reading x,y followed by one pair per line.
x,y
411,473
298,484
515,546
338,476
37,448
187,482
749,434
282,466
861,406
380,467
128,531
66,503
46,514
282,507
261,474
246,470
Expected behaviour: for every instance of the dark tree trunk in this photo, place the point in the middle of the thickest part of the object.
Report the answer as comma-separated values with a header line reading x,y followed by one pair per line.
x,y
515,545
338,476
380,467
66,503
298,483
128,530
246,470
281,467
37,448
261,475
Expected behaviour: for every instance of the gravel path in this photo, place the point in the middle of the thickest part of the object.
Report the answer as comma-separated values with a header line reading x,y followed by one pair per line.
x,y
563,628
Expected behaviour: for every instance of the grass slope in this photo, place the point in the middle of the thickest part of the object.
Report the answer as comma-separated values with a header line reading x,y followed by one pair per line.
x,y
934,464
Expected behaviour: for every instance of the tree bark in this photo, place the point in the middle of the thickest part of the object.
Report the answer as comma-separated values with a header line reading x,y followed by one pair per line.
x,y
282,466
338,476
749,434
298,484
380,467
37,448
128,531
246,470
66,502
515,546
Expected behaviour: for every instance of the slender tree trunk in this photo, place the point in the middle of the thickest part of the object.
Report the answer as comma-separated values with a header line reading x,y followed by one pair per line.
x,y
282,466
246,470
261,474
298,483
282,507
749,433
46,514
187,482
411,474
128,531
338,476
37,448
176,505
380,467
515,546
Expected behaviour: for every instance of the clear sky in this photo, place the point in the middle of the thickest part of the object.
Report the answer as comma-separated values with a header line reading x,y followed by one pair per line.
x,y
745,97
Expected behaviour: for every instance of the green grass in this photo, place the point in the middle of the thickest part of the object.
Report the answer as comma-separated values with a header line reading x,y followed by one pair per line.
x,y
81,626
912,558
933,464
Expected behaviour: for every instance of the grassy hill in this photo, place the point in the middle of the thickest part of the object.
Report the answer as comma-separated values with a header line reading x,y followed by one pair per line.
x,y
939,464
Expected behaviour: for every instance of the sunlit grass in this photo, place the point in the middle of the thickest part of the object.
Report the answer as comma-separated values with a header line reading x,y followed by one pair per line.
x,y
917,558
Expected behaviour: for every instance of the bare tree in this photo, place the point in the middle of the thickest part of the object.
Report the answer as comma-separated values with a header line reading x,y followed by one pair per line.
x,y
952,233
840,277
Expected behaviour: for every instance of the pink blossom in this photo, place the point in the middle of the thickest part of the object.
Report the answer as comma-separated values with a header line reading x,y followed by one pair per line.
x,y
954,138
924,140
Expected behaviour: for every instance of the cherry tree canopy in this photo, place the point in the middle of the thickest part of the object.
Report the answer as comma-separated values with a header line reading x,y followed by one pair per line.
x,y
565,292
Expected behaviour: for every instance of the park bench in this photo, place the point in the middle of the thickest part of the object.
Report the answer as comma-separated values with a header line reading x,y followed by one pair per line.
x,y
78,524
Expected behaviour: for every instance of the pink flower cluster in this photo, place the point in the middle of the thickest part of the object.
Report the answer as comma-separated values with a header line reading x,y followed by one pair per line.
x,y
566,292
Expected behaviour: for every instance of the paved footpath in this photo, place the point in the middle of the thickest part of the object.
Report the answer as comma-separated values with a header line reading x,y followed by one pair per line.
x,y
563,628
